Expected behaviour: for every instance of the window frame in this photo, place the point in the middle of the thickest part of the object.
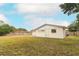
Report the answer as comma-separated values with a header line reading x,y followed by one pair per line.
x,y
53,30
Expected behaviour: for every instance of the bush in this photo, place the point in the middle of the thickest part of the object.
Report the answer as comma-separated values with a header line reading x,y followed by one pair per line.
x,y
5,29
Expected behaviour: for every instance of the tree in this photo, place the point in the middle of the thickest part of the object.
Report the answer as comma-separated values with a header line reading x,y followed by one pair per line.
x,y
77,21
5,29
74,27
70,8
22,29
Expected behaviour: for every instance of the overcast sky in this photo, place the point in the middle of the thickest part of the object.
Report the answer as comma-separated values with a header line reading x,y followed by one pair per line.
x,y
30,16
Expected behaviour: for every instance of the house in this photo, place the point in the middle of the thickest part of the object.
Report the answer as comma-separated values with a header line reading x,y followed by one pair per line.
x,y
50,31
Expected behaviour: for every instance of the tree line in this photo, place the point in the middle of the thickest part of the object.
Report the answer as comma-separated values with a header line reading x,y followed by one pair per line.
x,y
6,28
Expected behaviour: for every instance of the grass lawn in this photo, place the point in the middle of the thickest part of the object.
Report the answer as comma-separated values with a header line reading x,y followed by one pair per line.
x,y
30,46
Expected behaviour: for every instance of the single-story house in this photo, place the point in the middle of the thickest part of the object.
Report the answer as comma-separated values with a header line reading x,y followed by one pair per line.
x,y
50,31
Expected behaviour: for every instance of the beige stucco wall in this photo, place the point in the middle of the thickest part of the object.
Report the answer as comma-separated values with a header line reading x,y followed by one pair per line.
x,y
60,32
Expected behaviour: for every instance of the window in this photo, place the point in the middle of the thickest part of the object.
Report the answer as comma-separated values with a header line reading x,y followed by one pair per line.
x,y
53,30
42,30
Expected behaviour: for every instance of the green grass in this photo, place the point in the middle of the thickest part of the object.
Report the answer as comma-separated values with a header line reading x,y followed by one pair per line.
x,y
30,46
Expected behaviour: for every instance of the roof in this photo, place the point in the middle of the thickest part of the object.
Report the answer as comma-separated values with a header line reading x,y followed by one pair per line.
x,y
48,25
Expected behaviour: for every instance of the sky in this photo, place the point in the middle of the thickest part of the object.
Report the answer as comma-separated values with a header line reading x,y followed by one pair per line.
x,y
33,15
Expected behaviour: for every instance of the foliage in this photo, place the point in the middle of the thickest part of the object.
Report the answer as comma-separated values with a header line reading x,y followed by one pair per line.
x,y
70,8
77,22
75,25
72,27
22,29
5,29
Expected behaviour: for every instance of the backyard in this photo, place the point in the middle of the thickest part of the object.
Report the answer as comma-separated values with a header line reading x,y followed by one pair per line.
x,y
31,46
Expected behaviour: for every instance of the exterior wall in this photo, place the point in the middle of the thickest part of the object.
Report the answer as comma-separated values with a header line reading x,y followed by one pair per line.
x,y
60,32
